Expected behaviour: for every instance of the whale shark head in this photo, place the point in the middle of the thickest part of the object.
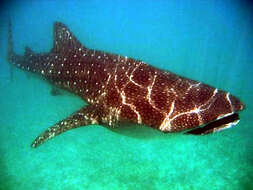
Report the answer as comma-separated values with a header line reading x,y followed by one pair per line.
x,y
224,120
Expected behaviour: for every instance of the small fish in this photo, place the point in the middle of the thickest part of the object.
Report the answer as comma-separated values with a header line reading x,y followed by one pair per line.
x,y
119,89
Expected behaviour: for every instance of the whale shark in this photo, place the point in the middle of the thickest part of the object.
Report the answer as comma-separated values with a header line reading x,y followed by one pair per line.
x,y
119,89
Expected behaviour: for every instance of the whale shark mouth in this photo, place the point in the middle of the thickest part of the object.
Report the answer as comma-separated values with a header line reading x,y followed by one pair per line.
x,y
224,122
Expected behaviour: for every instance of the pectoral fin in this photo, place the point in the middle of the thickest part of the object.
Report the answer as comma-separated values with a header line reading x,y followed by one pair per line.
x,y
86,116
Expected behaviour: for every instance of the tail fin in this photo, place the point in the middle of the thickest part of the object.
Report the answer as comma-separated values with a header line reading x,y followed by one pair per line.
x,y
10,42
10,52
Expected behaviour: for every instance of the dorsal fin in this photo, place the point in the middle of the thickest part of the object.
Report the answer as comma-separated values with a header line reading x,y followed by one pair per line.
x,y
64,39
28,51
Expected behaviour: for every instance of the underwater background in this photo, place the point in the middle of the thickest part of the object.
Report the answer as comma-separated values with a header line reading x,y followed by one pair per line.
x,y
209,41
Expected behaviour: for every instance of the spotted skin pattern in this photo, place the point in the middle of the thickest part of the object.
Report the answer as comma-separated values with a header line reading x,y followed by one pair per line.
x,y
121,89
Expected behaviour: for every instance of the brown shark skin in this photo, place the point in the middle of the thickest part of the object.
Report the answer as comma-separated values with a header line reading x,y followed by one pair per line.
x,y
121,89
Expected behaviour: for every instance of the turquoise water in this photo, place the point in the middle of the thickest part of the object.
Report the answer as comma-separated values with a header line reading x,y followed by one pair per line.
x,y
210,41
